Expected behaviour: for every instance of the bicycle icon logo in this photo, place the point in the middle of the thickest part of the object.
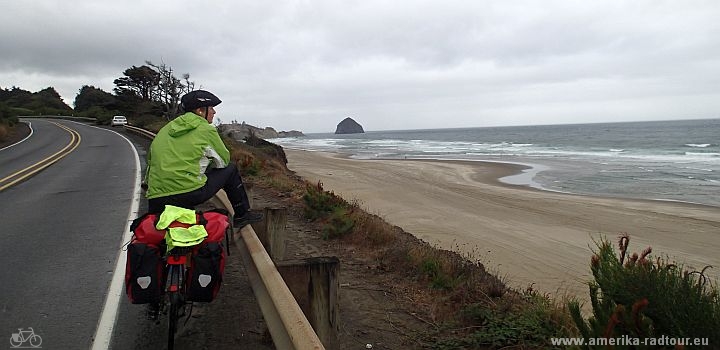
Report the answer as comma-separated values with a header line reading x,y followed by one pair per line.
x,y
18,340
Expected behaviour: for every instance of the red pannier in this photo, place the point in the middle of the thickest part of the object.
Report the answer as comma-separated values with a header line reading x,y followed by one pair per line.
x,y
145,263
144,230
215,222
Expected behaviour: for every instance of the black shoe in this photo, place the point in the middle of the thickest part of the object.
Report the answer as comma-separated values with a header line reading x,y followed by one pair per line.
x,y
248,218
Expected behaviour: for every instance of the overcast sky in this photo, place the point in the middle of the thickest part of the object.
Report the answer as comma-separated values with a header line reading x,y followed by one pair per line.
x,y
306,65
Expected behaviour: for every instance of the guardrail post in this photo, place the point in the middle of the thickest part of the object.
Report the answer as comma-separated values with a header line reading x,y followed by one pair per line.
x,y
272,232
315,284
286,321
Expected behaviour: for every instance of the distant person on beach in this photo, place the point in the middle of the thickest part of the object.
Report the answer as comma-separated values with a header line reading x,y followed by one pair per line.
x,y
188,162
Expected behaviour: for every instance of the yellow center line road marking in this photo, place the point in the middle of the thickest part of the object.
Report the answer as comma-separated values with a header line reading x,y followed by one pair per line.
x,y
23,174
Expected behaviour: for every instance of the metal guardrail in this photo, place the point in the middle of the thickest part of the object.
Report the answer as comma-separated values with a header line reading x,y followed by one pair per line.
x,y
140,131
288,326
286,322
59,117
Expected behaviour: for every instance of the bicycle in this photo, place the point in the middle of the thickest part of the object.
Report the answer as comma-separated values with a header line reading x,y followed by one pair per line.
x,y
171,280
19,338
176,263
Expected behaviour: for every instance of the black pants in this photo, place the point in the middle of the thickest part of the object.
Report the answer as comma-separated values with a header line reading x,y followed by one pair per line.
x,y
226,178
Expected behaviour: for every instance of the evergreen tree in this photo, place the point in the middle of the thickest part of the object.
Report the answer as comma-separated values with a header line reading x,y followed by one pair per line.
x,y
90,96
140,81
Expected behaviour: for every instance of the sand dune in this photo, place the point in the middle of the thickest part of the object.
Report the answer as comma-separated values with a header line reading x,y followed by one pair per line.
x,y
528,235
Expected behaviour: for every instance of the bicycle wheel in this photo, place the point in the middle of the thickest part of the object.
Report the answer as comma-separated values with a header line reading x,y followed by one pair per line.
x,y
173,315
35,341
15,342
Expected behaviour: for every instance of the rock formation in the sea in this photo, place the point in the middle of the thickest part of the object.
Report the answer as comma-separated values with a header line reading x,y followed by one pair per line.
x,y
349,126
239,131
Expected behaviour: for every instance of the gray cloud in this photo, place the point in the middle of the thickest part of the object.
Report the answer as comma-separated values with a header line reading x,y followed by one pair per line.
x,y
420,64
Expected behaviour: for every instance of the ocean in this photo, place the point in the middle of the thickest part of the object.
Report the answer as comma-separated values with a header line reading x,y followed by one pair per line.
x,y
660,160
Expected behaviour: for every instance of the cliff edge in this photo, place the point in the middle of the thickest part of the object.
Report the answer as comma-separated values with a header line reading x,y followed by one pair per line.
x,y
241,131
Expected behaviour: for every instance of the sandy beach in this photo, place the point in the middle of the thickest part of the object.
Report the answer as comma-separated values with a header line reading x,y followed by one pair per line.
x,y
527,235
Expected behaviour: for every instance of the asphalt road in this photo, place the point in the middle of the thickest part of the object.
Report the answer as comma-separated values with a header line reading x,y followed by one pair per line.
x,y
60,231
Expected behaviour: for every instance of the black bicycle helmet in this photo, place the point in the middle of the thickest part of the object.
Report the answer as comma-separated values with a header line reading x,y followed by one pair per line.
x,y
198,99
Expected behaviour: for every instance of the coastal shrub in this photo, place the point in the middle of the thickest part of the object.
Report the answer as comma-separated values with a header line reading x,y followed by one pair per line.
x,y
250,165
430,263
319,204
513,323
438,278
338,223
335,212
451,271
8,117
282,183
371,230
636,296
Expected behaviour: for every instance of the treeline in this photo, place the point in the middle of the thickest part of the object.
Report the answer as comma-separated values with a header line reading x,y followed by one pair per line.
x,y
146,95
15,102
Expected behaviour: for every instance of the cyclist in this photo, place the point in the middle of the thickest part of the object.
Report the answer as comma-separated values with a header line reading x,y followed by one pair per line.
x,y
188,162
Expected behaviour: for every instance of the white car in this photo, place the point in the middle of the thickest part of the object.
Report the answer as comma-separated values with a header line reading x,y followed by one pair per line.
x,y
118,120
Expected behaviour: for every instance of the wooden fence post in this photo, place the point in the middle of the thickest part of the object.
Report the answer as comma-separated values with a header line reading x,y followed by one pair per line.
x,y
271,232
315,284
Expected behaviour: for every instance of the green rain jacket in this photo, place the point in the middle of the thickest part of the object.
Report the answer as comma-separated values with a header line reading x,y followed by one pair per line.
x,y
181,153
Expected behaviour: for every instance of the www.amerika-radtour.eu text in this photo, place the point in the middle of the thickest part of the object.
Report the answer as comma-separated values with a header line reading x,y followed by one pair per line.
x,y
626,340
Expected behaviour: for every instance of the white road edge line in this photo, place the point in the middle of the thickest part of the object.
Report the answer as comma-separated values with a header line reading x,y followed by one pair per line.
x,y
26,137
106,324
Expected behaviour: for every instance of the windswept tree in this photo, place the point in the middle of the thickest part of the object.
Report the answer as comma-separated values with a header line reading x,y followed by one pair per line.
x,y
141,81
145,89
170,88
